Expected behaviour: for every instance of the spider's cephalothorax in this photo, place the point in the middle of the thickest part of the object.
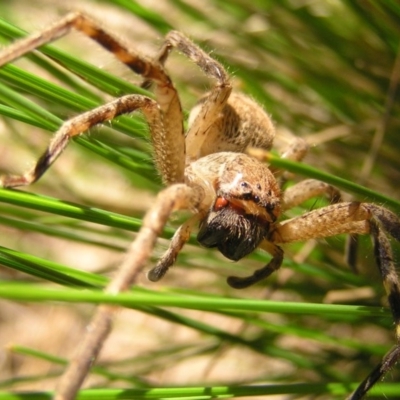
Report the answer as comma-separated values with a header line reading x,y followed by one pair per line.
x,y
234,198
246,201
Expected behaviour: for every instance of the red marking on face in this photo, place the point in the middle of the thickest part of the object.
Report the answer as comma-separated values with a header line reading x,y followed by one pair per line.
x,y
222,202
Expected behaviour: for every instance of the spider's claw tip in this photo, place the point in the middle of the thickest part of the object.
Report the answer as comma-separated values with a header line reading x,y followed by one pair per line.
x,y
238,283
156,273
153,276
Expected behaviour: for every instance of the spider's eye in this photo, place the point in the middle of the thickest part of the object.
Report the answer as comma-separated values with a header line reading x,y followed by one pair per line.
x,y
248,196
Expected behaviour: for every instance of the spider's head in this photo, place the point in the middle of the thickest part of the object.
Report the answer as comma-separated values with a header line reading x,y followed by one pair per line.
x,y
247,203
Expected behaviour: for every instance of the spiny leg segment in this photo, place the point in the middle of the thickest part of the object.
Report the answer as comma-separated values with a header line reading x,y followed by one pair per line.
x,y
217,98
175,197
169,143
356,218
308,189
384,220
82,123
181,236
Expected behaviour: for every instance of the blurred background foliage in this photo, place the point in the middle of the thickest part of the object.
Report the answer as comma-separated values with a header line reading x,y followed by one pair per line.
x,y
327,71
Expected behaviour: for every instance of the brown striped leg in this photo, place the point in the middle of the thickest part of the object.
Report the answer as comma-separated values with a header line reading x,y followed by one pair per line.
x,y
181,236
170,152
90,28
82,123
359,218
307,189
173,198
384,259
388,362
210,107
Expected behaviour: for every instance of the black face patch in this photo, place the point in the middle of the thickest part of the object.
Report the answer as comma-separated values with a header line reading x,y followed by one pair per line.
x,y
234,234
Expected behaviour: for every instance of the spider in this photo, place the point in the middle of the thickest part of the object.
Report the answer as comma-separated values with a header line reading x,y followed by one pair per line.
x,y
235,199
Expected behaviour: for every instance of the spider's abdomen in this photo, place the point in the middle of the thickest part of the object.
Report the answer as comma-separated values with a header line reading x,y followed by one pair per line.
x,y
241,124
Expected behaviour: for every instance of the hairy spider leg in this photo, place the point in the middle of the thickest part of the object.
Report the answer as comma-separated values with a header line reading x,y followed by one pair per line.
x,y
168,143
181,236
356,218
173,198
81,123
382,220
